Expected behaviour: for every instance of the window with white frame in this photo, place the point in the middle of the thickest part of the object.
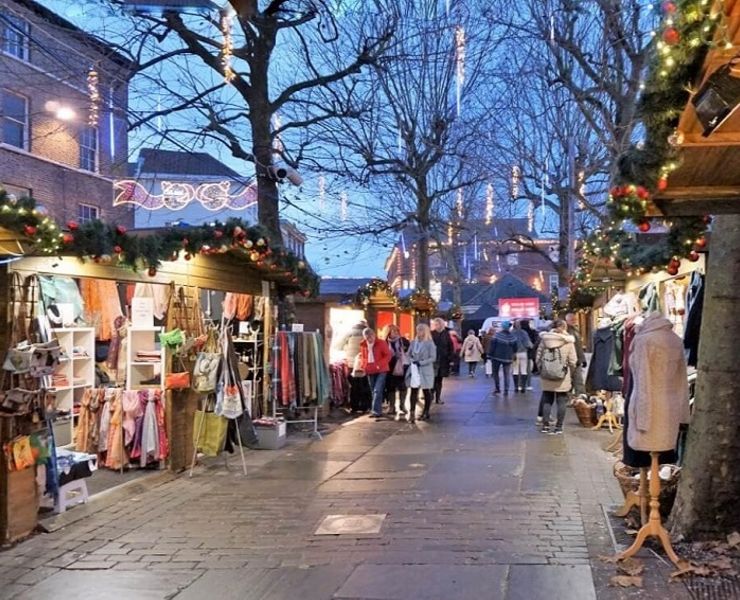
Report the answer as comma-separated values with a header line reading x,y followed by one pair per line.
x,y
15,32
554,281
89,148
87,212
15,119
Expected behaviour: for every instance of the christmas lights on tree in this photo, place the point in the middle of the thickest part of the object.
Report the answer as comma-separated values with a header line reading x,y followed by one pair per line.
x,y
459,64
459,203
227,45
93,91
516,179
489,204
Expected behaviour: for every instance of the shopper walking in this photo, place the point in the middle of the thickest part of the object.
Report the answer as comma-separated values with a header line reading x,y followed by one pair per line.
x,y
395,384
534,337
375,358
420,376
442,341
556,356
520,366
471,352
579,386
501,352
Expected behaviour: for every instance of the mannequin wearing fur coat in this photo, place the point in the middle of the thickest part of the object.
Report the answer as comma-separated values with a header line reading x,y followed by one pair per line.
x,y
660,395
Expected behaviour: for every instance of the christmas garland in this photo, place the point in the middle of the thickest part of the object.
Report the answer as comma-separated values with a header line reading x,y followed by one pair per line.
x,y
107,243
419,301
370,289
687,33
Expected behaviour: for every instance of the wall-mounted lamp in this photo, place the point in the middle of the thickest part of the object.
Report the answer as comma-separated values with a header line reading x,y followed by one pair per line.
x,y
62,112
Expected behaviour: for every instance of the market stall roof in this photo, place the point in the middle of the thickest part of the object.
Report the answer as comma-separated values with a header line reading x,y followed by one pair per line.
x,y
226,271
707,181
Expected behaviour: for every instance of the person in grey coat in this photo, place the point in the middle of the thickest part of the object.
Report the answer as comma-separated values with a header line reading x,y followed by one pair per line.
x,y
422,354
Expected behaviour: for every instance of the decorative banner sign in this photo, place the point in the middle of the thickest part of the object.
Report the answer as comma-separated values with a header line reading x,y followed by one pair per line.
x,y
519,308
177,195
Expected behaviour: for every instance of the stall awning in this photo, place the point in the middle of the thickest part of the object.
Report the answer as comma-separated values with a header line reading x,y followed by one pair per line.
x,y
708,178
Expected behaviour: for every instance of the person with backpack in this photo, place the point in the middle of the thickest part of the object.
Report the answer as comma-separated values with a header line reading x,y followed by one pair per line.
x,y
556,357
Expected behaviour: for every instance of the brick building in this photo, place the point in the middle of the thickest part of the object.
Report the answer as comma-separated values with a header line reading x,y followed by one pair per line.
x,y
484,254
63,106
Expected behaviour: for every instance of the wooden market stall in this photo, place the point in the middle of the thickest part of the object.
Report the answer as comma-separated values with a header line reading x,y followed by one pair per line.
x,y
206,275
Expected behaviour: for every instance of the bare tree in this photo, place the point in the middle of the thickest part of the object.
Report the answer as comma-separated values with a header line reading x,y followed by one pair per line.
x,y
576,71
415,139
248,78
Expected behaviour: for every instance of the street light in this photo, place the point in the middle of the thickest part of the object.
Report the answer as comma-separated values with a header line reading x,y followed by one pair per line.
x,y
65,113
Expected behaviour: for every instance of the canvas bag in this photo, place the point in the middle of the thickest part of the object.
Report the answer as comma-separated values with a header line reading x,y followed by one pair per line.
x,y
415,378
209,432
552,365
229,401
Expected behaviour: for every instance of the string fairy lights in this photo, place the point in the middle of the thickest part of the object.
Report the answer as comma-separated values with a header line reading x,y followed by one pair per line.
x,y
93,92
516,179
227,45
489,204
459,203
459,65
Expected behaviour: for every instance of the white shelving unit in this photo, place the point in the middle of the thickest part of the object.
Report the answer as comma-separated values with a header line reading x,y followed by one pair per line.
x,y
77,365
138,371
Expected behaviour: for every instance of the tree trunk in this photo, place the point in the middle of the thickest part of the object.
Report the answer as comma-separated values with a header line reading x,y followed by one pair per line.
x,y
707,504
422,260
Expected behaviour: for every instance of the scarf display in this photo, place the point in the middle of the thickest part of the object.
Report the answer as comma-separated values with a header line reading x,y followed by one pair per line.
x,y
301,370
122,426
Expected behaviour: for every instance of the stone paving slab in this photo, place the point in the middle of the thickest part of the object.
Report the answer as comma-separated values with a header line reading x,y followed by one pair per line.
x,y
430,582
110,585
550,583
268,584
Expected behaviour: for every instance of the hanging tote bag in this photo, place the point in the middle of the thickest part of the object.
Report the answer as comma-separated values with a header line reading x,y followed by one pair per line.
x,y
229,401
209,432
179,380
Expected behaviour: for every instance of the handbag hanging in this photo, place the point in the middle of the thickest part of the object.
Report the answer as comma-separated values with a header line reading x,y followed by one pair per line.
x,y
229,401
179,380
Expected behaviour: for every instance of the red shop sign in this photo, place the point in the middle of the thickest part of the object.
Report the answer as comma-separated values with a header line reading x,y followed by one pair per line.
x,y
519,308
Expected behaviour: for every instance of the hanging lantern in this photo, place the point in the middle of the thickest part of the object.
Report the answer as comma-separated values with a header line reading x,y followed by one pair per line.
x,y
459,64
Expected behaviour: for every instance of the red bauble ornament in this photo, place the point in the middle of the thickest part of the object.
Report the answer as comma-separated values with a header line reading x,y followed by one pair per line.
x,y
97,259
674,263
672,270
642,193
671,36
152,271
218,234
694,256
644,226
662,184
68,238
120,229
668,8
188,256
72,225
30,230
117,249
701,243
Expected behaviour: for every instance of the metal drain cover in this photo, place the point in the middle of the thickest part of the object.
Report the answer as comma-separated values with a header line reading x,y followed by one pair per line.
x,y
350,524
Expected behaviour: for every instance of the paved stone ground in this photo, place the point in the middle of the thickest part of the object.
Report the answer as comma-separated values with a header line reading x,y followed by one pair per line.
x,y
479,505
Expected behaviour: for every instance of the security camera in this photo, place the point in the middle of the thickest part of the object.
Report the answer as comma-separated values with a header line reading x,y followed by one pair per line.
x,y
282,172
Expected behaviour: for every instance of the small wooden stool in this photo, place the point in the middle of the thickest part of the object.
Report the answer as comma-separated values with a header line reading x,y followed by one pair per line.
x,y
78,489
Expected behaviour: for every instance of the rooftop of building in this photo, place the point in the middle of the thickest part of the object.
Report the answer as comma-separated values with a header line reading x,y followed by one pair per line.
x,y
87,38
157,161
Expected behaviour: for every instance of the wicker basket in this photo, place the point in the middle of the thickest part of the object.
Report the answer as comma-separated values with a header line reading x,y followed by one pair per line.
x,y
629,483
586,413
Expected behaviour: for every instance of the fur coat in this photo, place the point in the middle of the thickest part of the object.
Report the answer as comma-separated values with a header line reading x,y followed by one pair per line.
x,y
660,392
564,341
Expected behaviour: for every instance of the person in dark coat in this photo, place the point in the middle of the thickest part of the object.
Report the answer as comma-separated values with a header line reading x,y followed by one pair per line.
x,y
501,351
442,341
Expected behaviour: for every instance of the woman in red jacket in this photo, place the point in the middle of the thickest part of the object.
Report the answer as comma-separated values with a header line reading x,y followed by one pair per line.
x,y
375,358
